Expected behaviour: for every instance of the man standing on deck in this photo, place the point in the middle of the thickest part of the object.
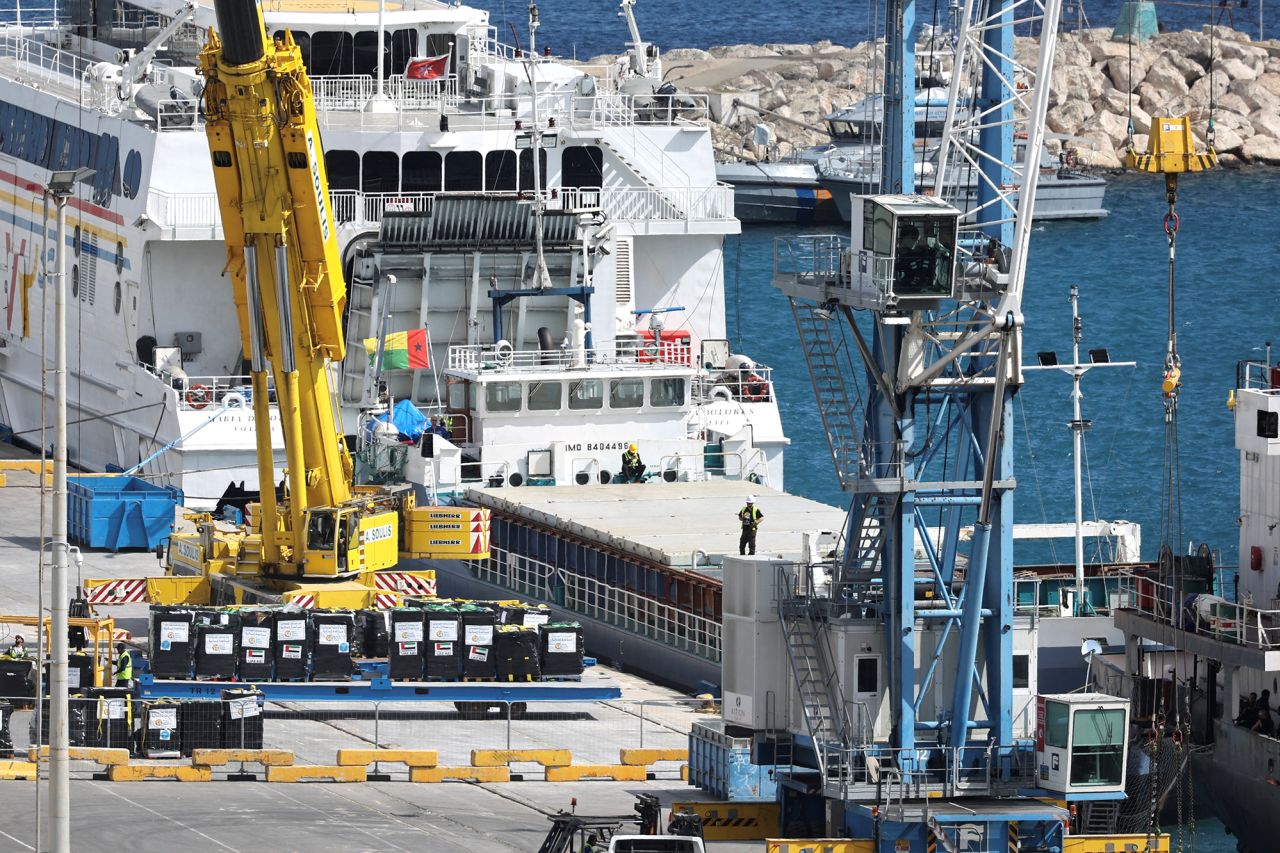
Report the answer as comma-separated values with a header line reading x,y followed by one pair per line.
x,y
124,666
18,651
750,517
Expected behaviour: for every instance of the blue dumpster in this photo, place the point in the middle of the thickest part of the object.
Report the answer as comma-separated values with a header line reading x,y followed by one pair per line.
x,y
114,512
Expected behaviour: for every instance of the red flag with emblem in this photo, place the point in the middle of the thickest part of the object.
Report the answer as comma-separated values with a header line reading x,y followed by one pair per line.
x,y
430,68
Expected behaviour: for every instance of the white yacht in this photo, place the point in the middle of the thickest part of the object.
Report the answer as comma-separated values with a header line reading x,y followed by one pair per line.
x,y
441,116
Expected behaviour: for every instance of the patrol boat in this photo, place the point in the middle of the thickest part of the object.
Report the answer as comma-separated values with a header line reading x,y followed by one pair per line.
x,y
445,108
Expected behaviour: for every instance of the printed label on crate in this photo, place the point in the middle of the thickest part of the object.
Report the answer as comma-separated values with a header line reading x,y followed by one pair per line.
x,y
480,653
332,635
255,656
174,632
163,718
562,642
534,619
243,709
291,652
112,709
73,677
291,629
255,638
479,635
219,644
408,632
444,650
444,630
408,650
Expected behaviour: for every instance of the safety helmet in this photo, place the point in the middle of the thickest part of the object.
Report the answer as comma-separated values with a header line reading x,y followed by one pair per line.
x,y
632,447
751,499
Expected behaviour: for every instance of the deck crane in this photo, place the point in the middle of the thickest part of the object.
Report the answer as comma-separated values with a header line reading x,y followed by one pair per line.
x,y
912,332
289,295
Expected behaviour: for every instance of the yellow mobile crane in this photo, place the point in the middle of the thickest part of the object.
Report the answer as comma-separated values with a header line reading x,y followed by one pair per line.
x,y
289,293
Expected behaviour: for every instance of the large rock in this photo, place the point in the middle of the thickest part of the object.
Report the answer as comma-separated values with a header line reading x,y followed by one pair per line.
x,y
686,54
1262,149
1103,50
1127,72
1109,125
1189,45
1097,151
1266,123
1167,77
1236,69
1256,94
1233,103
1248,53
1200,89
740,51
1076,83
1069,117
1226,139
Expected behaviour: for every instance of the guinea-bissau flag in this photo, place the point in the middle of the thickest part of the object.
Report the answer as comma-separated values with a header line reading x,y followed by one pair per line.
x,y
402,350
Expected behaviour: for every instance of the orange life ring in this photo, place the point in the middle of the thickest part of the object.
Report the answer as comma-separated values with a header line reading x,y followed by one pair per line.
x,y
754,389
199,396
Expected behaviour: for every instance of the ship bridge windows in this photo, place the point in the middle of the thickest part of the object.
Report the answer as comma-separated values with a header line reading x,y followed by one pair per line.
x,y
463,171
500,170
582,166
380,172
37,139
502,396
545,396
421,172
667,391
626,393
586,394
332,54
526,168
1097,746
343,168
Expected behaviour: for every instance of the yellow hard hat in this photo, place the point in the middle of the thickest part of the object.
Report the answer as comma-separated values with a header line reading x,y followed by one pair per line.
x,y
632,447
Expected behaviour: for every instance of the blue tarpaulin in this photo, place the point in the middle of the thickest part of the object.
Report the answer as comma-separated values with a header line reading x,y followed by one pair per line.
x,y
407,420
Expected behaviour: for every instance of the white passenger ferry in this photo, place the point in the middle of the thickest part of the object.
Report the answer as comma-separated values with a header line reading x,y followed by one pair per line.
x,y
439,122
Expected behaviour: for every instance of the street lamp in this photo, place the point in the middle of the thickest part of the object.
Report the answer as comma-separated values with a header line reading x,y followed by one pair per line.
x,y
61,186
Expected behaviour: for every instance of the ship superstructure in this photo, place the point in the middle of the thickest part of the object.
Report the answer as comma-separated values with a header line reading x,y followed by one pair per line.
x,y
444,109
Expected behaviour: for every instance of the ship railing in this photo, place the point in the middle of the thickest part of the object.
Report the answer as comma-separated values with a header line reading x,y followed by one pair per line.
x,y
177,114
502,359
183,210
729,465
625,204
753,385
1258,376
603,601
353,91
196,393
40,61
927,771
1213,616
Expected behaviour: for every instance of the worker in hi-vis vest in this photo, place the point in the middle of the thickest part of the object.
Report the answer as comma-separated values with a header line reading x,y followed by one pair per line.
x,y
124,666
750,516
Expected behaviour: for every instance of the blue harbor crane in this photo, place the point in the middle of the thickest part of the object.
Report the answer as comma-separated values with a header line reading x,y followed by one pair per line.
x,y
911,328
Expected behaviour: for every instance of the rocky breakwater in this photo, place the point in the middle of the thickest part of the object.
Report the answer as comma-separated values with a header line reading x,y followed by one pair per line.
x,y
1098,85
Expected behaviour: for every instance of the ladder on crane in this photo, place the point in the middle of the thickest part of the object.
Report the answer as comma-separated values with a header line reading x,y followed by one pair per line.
x,y
827,355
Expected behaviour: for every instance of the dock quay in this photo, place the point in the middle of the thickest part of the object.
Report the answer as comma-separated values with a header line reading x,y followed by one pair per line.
x,y
373,762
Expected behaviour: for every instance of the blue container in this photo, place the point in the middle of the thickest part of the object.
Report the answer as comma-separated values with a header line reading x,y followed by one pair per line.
x,y
115,512
721,765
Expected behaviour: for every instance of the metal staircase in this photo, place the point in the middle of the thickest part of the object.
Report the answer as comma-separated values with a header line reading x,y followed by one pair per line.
x,y
817,681
831,368
668,208
862,556
1101,817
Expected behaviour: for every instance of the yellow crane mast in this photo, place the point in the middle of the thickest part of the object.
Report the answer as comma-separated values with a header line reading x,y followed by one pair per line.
x,y
289,295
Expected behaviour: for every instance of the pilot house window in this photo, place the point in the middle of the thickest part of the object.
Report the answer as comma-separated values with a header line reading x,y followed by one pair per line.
x,y
545,396
502,396
666,392
626,393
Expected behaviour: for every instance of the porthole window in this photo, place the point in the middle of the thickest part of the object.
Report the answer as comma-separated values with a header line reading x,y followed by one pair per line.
x,y
75,241
75,282
116,298
119,259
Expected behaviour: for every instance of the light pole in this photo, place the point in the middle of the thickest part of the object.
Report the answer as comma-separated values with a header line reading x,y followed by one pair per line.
x,y
62,185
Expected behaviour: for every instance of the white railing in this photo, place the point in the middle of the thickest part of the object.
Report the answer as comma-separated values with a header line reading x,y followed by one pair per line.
x,y
1257,376
183,210
353,91
604,602
626,354
1211,616
40,61
734,465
